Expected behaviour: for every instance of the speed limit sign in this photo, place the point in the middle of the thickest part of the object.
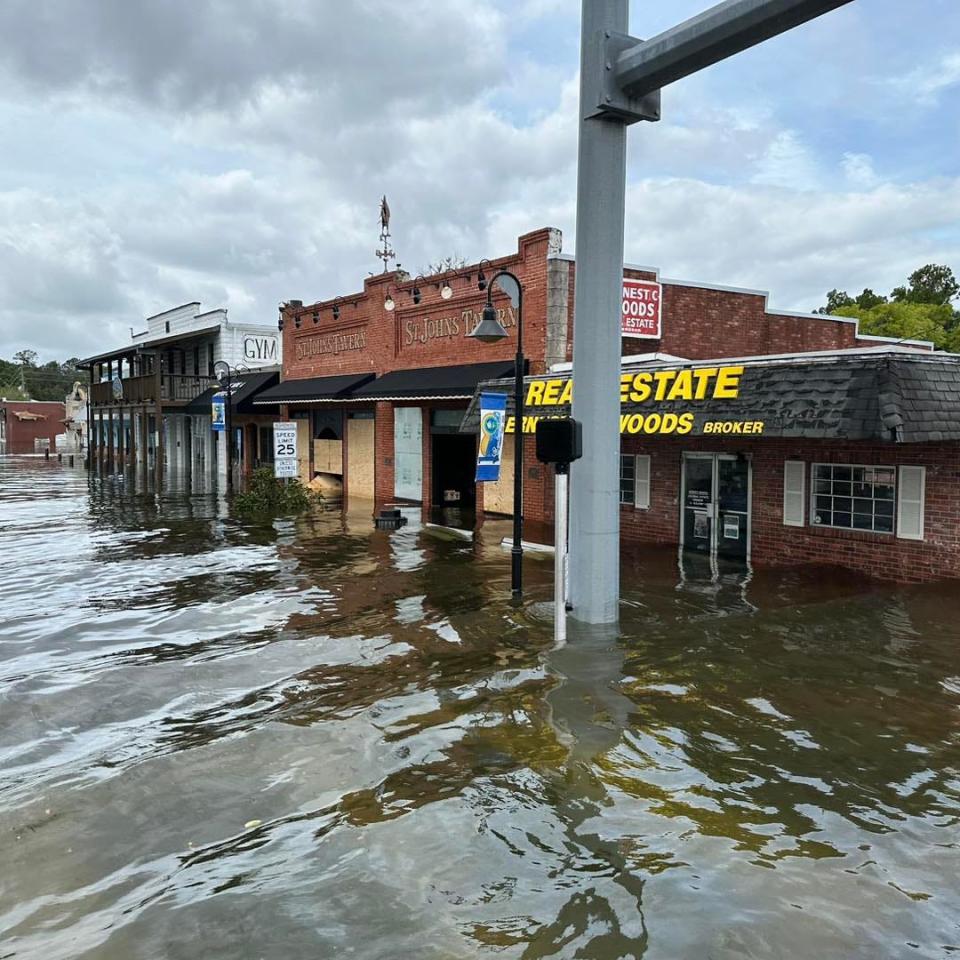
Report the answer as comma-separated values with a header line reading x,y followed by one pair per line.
x,y
285,449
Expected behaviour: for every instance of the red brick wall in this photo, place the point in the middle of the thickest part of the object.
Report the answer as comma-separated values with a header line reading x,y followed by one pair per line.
x,y
879,555
702,323
367,338
21,433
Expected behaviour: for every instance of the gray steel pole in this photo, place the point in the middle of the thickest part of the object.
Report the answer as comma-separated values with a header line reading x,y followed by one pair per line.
x,y
595,479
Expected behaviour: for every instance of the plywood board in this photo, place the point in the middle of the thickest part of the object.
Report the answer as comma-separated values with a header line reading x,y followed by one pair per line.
x,y
498,497
360,459
328,456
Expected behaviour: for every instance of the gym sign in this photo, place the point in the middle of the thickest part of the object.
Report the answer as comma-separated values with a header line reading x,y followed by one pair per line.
x,y
660,387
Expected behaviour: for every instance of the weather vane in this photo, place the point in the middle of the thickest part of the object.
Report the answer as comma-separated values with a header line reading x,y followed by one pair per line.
x,y
385,253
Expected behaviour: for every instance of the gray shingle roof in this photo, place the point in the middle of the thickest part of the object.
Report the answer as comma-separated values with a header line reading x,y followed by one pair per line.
x,y
903,399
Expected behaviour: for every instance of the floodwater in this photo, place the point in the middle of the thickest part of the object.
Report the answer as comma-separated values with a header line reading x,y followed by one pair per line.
x,y
307,739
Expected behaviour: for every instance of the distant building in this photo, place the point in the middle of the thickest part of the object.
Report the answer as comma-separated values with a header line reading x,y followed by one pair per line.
x,y
151,399
74,437
29,426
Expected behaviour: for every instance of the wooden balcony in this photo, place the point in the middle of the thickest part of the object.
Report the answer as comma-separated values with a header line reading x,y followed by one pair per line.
x,y
175,389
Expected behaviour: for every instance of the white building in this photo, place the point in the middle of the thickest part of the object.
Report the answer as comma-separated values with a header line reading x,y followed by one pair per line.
x,y
160,377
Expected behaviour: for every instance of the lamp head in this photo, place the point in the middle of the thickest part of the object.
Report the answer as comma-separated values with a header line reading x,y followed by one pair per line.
x,y
389,303
489,329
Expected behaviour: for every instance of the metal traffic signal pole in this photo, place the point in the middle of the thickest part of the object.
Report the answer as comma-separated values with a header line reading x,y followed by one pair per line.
x,y
620,81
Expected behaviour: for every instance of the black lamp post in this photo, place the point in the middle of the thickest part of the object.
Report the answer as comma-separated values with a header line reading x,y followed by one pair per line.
x,y
224,375
490,330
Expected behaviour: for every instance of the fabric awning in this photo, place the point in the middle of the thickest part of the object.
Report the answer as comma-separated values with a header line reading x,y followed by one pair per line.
x,y
314,389
434,383
246,387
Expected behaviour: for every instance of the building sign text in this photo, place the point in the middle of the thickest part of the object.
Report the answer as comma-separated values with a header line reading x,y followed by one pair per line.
x,y
334,343
640,309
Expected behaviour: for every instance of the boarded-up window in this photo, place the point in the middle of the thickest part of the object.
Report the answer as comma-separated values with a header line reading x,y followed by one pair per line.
x,y
641,481
794,476
910,503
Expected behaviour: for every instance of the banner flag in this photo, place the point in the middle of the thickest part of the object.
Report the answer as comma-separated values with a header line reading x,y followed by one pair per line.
x,y
493,415
218,414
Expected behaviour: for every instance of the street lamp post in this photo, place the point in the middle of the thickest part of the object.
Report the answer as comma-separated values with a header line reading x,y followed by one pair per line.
x,y
224,375
490,330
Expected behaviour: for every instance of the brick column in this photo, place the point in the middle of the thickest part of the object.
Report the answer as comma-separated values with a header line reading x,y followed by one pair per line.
x,y
383,447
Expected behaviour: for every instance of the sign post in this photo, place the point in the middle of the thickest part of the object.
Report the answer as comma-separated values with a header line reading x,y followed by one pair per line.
x,y
285,449
559,442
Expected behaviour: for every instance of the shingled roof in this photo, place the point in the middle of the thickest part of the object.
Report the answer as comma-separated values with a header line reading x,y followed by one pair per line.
x,y
902,397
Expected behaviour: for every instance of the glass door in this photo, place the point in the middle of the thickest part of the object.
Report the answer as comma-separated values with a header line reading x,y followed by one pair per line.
x,y
698,507
716,504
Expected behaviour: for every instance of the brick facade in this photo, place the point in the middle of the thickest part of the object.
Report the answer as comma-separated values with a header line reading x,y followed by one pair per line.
x,y
357,334
20,435
880,555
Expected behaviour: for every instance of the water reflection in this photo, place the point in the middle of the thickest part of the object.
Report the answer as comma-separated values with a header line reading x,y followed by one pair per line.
x,y
304,738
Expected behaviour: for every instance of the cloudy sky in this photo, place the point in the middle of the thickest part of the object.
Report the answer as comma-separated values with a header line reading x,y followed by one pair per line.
x,y
234,152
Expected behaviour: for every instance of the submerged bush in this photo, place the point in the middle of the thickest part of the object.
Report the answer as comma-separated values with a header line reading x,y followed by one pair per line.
x,y
265,494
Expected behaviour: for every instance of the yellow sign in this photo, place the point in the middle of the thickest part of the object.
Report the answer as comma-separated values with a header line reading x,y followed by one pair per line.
x,y
657,386
702,383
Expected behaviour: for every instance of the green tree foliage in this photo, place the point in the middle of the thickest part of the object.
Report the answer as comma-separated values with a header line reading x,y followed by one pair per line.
x,y
267,496
920,310
930,284
24,378
908,321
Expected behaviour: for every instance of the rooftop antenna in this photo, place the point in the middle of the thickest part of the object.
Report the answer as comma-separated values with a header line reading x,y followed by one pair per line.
x,y
385,252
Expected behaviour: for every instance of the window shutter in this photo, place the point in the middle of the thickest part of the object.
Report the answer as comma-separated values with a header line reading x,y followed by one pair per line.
x,y
794,482
910,494
641,482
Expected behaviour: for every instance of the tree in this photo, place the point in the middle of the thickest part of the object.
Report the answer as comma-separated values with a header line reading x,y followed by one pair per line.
x,y
837,300
932,283
444,264
26,358
908,321
868,299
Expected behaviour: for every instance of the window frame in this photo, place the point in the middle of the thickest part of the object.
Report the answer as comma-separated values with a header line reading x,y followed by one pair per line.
x,y
812,502
624,459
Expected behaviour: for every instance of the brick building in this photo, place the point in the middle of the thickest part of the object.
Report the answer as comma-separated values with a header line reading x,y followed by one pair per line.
x,y
29,426
379,382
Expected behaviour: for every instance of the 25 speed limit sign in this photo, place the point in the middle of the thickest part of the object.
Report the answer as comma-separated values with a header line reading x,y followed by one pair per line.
x,y
285,449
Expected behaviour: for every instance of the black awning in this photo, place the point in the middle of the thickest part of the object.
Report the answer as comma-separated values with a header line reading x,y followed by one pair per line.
x,y
246,387
428,383
314,389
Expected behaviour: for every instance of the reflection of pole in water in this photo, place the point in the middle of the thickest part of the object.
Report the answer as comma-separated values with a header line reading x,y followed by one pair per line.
x,y
586,709
589,715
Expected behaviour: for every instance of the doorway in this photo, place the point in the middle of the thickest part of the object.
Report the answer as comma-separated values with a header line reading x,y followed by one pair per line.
x,y
715,504
454,461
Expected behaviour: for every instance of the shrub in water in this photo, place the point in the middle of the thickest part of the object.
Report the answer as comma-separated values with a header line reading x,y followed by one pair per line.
x,y
266,494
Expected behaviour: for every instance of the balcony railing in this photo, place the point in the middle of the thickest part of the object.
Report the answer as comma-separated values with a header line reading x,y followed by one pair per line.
x,y
174,388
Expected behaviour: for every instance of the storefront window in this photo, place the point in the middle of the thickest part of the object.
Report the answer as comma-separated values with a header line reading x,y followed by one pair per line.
x,y
627,478
853,497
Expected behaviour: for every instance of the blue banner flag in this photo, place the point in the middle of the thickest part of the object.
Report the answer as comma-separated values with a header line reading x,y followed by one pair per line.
x,y
493,416
218,412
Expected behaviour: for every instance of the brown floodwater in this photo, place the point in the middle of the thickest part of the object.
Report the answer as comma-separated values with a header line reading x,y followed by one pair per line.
x,y
308,739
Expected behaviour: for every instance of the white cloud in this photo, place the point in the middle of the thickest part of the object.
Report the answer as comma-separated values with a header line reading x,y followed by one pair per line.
x,y
243,166
858,168
926,82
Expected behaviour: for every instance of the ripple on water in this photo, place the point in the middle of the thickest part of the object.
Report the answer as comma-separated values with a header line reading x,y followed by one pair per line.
x,y
305,738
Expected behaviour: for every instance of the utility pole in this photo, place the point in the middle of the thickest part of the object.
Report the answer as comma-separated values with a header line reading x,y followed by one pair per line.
x,y
620,82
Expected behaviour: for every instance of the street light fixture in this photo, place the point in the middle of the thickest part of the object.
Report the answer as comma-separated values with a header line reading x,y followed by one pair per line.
x,y
389,304
490,330
224,375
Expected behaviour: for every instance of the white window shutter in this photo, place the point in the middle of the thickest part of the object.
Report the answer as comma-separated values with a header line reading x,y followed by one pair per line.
x,y
641,482
794,499
910,495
